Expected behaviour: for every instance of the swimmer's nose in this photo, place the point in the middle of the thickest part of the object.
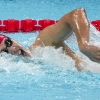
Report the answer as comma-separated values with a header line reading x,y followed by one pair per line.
x,y
20,51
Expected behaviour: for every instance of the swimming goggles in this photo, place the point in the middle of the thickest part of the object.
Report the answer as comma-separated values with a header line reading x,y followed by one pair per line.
x,y
8,42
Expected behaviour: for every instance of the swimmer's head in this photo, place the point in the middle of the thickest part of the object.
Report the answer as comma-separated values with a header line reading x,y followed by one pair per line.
x,y
2,37
11,46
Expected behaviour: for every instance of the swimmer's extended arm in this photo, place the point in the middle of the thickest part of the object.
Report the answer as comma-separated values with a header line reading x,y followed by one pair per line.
x,y
81,26
75,57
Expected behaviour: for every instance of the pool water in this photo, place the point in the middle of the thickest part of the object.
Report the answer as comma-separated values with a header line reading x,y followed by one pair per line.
x,y
49,74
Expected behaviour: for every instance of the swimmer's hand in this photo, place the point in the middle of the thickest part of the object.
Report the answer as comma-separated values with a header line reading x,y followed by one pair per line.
x,y
80,64
92,51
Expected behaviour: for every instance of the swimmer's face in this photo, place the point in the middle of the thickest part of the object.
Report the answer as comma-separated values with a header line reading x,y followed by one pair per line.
x,y
11,46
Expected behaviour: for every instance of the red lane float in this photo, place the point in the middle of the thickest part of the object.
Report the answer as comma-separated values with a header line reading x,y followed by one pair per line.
x,y
45,23
96,24
2,28
27,25
11,25
30,25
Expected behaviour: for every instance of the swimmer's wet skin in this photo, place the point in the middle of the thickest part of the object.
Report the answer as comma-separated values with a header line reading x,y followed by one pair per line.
x,y
9,45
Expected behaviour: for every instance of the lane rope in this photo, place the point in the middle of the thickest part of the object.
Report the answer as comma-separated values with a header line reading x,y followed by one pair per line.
x,y
30,25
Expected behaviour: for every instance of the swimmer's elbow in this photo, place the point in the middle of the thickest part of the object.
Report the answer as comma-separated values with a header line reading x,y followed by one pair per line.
x,y
82,48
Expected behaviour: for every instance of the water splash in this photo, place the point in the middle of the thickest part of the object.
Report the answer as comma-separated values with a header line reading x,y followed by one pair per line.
x,y
94,39
48,59
43,61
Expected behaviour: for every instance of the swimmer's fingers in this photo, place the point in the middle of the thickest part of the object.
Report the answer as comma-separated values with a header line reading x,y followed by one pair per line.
x,y
80,63
96,59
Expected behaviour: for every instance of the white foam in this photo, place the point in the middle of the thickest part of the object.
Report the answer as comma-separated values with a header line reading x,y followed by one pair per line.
x,y
42,60
50,55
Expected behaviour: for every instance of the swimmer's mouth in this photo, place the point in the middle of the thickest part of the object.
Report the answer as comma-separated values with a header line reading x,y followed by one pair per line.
x,y
21,52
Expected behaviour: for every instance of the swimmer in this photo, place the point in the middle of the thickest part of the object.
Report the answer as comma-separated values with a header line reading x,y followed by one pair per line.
x,y
54,35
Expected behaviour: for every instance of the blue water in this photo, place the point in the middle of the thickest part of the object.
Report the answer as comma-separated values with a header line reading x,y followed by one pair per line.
x,y
40,9
49,74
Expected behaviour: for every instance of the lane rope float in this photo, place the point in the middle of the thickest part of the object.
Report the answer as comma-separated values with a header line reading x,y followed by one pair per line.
x,y
31,25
